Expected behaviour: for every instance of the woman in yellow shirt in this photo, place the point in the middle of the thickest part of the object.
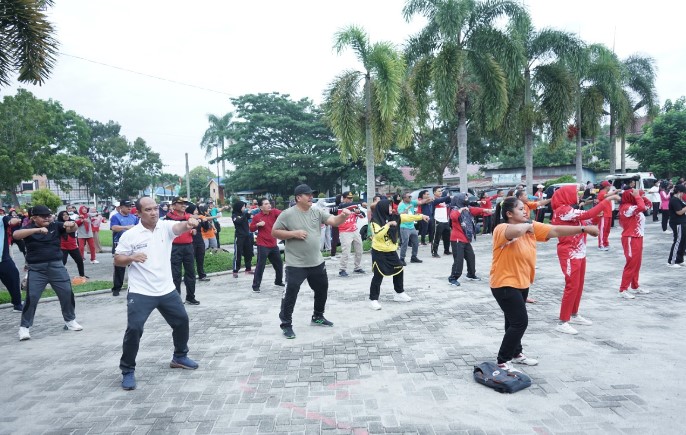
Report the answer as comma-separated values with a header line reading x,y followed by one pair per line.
x,y
513,269
385,260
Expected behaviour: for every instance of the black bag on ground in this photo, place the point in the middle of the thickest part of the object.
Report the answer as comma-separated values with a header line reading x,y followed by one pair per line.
x,y
490,375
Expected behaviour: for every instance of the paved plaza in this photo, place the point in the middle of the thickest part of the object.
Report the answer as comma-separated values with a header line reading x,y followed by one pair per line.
x,y
404,369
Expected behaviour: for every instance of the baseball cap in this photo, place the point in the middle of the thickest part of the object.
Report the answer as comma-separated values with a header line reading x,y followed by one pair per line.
x,y
125,203
39,210
605,183
540,186
303,189
347,194
178,199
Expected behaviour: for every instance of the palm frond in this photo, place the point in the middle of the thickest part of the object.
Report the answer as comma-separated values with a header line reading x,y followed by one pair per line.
x,y
388,68
405,116
354,37
420,83
493,86
343,108
557,97
446,71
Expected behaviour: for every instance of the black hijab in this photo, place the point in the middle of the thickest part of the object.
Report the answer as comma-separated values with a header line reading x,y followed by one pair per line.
x,y
381,217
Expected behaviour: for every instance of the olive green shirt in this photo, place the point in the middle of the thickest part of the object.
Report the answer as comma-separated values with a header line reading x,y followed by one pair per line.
x,y
303,253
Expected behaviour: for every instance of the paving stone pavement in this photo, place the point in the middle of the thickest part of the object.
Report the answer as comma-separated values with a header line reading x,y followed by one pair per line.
x,y
404,369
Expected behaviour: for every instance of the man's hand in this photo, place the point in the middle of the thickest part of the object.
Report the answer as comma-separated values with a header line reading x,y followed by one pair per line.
x,y
42,230
345,212
192,223
425,218
260,224
14,222
300,234
69,225
393,224
138,257
592,230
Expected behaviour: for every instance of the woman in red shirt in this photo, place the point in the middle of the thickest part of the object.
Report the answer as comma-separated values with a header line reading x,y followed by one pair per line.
x,y
632,220
69,246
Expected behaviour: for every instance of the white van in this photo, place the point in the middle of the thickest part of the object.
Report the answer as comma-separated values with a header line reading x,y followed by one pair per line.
x,y
643,181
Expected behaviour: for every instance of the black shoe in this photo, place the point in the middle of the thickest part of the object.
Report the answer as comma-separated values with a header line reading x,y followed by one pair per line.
x,y
115,292
280,284
435,256
454,282
204,278
192,301
473,278
415,260
288,332
18,308
402,261
320,321
255,289
343,274
359,270
446,252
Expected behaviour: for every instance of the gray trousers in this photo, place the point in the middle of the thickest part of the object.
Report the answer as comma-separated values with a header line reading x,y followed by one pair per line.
x,y
408,236
350,240
40,275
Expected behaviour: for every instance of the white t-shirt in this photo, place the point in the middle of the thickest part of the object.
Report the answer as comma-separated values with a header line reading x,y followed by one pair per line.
x,y
441,212
152,278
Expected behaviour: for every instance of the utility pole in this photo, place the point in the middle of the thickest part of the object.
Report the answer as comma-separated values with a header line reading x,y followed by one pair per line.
x,y
188,179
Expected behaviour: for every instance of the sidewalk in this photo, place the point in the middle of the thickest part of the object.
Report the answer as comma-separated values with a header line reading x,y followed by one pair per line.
x,y
404,369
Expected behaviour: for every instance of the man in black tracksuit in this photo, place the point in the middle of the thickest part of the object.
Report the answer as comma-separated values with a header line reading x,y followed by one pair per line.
x,y
182,252
439,214
242,244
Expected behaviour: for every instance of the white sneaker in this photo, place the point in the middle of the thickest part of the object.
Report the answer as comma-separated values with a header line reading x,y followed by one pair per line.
x,y
402,297
508,368
95,262
675,266
578,320
566,328
375,305
626,295
522,359
72,325
24,334
640,291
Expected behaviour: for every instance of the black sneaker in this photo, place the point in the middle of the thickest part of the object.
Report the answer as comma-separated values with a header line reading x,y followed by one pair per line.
x,y
288,332
446,252
473,278
255,289
280,284
204,279
415,260
402,261
454,282
115,292
343,274
435,256
192,301
18,308
359,270
320,321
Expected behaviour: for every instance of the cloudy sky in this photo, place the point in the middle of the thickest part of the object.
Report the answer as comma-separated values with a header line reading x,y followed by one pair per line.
x,y
230,48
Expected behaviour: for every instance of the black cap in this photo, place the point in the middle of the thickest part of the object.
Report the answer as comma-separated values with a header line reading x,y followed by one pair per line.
x,y
302,189
179,199
125,203
39,210
347,194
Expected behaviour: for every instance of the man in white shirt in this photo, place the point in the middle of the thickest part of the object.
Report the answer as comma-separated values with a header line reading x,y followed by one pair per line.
x,y
146,248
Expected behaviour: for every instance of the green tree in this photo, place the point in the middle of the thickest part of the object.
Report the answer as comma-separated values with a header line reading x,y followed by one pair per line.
x,y
199,177
543,92
369,110
662,146
26,41
215,137
37,138
279,144
457,59
47,198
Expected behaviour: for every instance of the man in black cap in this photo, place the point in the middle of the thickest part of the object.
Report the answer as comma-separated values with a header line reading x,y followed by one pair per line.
x,y
182,252
300,228
119,223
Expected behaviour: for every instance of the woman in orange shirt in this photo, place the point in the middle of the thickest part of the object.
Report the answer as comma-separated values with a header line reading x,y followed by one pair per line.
x,y
513,270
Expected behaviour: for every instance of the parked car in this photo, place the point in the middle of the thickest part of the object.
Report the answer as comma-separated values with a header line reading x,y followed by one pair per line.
x,y
452,191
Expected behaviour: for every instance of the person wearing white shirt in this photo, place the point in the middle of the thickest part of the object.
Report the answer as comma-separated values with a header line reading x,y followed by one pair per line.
x,y
146,250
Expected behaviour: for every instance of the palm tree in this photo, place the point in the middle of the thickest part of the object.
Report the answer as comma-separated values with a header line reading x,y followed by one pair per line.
x,y
26,41
214,138
373,109
458,59
547,97
638,86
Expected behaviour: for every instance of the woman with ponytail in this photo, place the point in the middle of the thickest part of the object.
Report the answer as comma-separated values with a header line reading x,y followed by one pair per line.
x,y
513,271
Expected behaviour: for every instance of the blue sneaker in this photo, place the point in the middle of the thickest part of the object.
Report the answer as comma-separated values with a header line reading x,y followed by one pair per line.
x,y
455,282
183,362
129,381
343,274
320,321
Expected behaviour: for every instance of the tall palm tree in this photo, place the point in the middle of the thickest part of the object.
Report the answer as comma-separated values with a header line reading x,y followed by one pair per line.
x,y
373,109
215,136
638,86
547,97
26,42
460,57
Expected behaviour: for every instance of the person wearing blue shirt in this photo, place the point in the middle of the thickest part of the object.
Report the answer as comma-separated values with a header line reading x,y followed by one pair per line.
x,y
119,223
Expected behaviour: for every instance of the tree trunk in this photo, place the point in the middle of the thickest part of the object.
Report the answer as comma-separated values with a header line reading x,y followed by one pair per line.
x,y
462,144
15,199
528,134
223,161
369,145
579,161
613,142
623,154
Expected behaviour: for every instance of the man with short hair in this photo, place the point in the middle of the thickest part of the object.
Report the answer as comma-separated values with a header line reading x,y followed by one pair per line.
x,y
408,232
350,235
119,223
441,222
182,252
267,248
299,227
146,250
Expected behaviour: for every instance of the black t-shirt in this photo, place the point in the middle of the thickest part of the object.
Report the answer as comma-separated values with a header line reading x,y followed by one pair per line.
x,y
675,205
42,248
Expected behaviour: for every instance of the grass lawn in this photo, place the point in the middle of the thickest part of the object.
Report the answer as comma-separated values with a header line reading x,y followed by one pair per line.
x,y
83,288
225,237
